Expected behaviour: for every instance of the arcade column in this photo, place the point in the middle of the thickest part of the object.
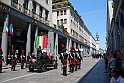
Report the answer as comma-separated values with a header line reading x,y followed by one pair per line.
x,y
36,34
56,44
28,44
50,42
4,43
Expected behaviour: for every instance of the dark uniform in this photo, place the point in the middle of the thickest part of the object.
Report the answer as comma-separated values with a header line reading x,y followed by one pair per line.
x,y
63,58
79,59
71,61
13,61
39,52
1,59
22,61
75,60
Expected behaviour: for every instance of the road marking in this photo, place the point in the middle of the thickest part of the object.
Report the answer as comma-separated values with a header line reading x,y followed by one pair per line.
x,y
18,77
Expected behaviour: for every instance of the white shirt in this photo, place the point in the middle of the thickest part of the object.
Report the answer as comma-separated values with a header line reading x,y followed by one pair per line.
x,y
119,80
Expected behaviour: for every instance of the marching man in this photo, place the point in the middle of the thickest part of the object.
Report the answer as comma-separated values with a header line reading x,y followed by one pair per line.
x,y
1,59
13,61
71,60
22,59
63,58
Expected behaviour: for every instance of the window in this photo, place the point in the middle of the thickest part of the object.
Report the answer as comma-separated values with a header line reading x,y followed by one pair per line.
x,y
64,12
57,13
57,22
34,7
61,21
46,15
25,4
15,1
46,1
65,21
40,12
61,12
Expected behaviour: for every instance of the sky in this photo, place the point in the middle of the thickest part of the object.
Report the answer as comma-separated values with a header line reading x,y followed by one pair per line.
x,y
95,22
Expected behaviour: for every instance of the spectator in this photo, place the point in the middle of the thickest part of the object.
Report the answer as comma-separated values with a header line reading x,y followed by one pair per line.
x,y
106,61
116,76
122,61
112,62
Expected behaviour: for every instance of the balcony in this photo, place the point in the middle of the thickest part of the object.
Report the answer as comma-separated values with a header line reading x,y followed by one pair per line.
x,y
35,15
26,11
47,22
42,19
15,4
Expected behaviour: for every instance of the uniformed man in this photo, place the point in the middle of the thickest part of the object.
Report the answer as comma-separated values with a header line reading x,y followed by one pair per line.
x,y
13,61
22,61
71,60
64,56
1,59
75,60
79,59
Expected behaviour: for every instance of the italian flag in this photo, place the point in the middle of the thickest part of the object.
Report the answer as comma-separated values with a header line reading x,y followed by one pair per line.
x,y
7,31
38,41
41,41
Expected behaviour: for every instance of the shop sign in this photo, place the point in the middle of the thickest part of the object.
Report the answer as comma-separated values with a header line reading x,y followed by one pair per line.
x,y
20,41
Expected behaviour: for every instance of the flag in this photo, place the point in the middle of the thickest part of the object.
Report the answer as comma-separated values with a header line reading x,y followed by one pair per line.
x,y
39,40
122,19
11,30
7,29
45,39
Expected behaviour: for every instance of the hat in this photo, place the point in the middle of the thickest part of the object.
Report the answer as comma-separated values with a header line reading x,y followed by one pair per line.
x,y
0,49
71,47
63,45
23,51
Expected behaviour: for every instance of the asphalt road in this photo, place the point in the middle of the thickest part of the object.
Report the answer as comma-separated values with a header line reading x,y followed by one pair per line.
x,y
51,76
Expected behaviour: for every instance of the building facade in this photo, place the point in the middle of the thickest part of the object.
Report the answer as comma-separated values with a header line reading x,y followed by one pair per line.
x,y
66,17
25,20
23,16
92,45
115,24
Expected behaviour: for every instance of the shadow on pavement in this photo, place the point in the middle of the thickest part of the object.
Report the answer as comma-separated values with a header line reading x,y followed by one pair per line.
x,y
96,74
40,71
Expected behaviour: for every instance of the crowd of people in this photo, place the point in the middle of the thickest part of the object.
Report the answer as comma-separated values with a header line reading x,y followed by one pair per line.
x,y
114,65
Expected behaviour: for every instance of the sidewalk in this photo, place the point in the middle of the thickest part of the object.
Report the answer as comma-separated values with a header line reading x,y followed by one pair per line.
x,y
96,74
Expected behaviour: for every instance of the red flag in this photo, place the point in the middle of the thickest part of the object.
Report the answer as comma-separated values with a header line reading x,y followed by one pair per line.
x,y
23,51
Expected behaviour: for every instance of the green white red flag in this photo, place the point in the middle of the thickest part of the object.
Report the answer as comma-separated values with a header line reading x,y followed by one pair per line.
x,y
7,31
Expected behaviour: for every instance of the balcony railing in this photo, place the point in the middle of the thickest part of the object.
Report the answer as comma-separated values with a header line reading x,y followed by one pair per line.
x,y
47,22
26,11
35,16
15,4
41,19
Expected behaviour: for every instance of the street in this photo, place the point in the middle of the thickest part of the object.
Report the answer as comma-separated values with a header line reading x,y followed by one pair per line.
x,y
51,76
